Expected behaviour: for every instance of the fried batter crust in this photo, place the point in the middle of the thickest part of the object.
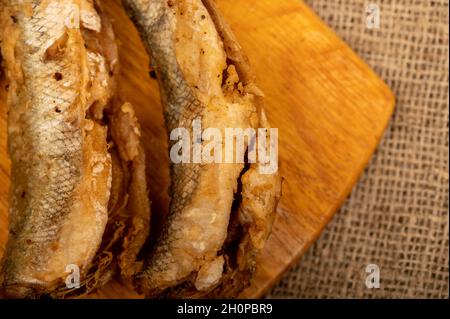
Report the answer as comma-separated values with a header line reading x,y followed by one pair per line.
x,y
60,59
203,73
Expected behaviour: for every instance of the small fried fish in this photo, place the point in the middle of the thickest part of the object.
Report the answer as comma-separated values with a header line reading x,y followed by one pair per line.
x,y
78,189
220,214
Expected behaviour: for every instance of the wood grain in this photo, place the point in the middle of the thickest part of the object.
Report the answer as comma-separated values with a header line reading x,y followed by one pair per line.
x,y
330,108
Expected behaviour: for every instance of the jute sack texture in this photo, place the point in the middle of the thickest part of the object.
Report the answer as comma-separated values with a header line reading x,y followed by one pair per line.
x,y
397,215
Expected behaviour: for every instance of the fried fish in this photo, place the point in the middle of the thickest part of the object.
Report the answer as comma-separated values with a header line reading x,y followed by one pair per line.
x,y
78,188
220,215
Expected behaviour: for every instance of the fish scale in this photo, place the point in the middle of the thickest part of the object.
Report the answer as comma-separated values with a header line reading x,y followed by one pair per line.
x,y
54,142
43,91
61,178
182,106
189,45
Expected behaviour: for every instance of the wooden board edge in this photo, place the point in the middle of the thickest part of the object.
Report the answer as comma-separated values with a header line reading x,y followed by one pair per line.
x,y
390,101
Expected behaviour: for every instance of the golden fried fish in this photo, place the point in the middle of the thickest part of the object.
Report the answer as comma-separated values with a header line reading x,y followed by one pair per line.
x,y
220,213
78,189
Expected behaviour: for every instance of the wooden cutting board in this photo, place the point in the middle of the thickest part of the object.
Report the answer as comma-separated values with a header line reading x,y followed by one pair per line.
x,y
330,108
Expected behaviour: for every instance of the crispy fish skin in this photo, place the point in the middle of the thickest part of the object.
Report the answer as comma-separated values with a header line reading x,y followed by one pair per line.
x,y
207,245
56,184
60,57
125,131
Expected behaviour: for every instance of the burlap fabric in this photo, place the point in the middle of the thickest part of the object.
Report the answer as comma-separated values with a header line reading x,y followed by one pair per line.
x,y
397,215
